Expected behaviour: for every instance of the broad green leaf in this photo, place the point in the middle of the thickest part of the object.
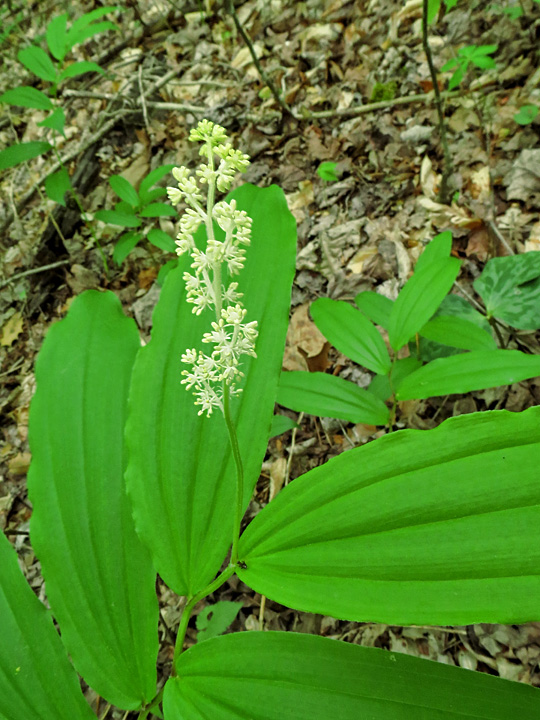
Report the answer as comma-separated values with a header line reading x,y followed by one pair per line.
x,y
433,9
158,210
351,333
57,185
153,194
125,244
114,217
83,28
456,306
56,121
151,179
99,577
510,289
329,396
56,36
418,527
438,248
37,681
161,240
278,676
16,154
38,62
181,474
377,307
125,190
80,68
384,386
464,373
280,424
215,619
88,32
165,270
420,298
27,97
458,333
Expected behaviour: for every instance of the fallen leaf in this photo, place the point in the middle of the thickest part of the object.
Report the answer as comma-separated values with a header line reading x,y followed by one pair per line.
x,y
11,329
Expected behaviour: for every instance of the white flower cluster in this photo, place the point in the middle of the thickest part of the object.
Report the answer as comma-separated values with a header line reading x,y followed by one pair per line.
x,y
231,336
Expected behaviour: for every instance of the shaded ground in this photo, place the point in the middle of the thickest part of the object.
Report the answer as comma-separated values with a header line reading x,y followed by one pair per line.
x,y
365,230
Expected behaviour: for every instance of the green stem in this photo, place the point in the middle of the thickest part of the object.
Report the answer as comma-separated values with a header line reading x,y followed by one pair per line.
x,y
186,613
239,505
151,705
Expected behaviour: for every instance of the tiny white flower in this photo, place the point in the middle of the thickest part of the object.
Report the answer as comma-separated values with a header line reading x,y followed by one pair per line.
x,y
230,337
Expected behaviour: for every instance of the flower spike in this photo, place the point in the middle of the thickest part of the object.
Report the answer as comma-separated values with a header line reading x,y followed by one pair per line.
x,y
230,335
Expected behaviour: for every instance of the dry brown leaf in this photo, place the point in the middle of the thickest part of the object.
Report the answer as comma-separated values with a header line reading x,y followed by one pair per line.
x,y
11,329
304,340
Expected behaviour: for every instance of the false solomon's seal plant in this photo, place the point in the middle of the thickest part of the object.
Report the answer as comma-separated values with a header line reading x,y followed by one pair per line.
x,y
130,478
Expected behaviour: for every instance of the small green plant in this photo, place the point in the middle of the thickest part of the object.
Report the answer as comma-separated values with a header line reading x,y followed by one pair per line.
x,y
452,349
526,114
53,69
134,209
327,171
477,55
130,478
383,91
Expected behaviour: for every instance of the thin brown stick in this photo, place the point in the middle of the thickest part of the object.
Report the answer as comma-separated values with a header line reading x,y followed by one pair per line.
x,y
229,4
444,190
33,271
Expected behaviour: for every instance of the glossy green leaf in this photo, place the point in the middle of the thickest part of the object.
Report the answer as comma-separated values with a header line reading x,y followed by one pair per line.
x,y
458,332
151,179
165,270
80,68
37,681
16,154
162,240
216,618
464,373
158,210
56,36
85,27
384,386
56,121
38,62
125,244
351,333
280,424
433,9
125,190
420,298
510,289
330,396
438,248
114,217
455,306
99,577
57,184
181,475
27,97
418,527
293,676
377,307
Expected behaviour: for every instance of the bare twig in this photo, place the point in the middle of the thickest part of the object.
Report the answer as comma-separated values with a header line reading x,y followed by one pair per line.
x,y
33,271
229,4
444,190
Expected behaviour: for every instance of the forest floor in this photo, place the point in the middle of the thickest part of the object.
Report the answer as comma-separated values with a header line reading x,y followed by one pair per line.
x,y
356,91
